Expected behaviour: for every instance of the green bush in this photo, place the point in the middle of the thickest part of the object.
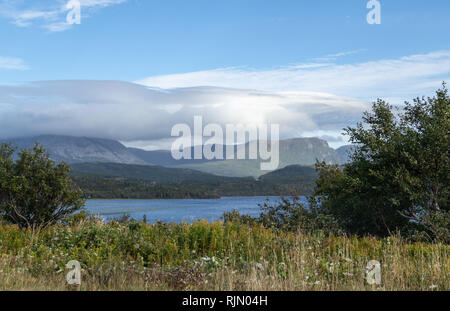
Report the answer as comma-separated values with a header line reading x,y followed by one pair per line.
x,y
289,214
398,178
34,191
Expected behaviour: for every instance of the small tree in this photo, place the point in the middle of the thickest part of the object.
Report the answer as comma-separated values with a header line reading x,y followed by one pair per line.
x,y
399,175
34,191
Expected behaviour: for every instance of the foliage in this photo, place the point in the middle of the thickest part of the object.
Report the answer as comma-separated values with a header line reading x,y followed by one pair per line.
x,y
118,186
211,256
292,214
235,216
97,187
289,214
399,175
34,192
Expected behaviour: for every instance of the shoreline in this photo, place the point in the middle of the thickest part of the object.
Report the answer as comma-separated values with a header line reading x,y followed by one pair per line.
x,y
192,199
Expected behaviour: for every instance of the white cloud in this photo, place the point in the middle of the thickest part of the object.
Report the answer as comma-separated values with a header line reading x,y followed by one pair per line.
x,y
306,100
48,14
26,18
12,63
333,57
135,113
91,3
397,78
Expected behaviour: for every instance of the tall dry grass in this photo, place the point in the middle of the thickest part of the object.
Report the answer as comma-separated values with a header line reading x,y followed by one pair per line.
x,y
217,256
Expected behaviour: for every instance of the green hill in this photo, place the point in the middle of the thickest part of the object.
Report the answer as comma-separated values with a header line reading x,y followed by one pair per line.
x,y
155,174
123,181
290,175
100,187
299,151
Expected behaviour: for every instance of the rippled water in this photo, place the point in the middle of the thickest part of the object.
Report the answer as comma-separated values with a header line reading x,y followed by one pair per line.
x,y
176,210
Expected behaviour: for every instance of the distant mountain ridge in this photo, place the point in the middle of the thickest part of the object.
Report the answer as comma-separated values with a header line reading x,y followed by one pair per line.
x,y
76,150
344,153
298,151
80,149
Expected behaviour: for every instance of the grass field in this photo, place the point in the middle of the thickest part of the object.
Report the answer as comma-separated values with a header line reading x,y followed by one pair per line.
x,y
217,256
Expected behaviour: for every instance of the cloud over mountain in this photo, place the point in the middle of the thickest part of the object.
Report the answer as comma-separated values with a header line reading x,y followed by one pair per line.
x,y
306,100
135,113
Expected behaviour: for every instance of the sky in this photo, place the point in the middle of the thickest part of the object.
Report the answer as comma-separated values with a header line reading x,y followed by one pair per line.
x,y
133,68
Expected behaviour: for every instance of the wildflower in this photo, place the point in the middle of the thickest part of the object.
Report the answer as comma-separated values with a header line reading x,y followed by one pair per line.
x,y
348,259
211,260
347,274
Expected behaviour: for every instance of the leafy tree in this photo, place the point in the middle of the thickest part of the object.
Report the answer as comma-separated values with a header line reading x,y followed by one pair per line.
x,y
293,214
34,191
289,214
399,174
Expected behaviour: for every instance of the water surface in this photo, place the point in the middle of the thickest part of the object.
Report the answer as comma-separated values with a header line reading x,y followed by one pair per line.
x,y
176,210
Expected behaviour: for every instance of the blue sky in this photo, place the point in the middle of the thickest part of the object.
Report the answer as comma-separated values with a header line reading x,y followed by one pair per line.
x,y
309,48
140,38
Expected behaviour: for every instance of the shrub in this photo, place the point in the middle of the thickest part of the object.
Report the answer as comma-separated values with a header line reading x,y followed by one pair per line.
x,y
235,216
398,177
291,214
34,191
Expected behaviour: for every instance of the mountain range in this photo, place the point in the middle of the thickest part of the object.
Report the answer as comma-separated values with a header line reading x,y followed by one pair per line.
x,y
77,150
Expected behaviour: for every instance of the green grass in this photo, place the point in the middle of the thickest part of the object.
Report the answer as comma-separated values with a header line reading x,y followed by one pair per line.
x,y
211,256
